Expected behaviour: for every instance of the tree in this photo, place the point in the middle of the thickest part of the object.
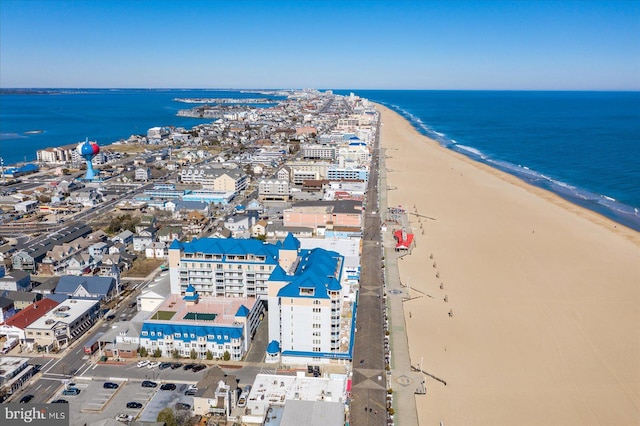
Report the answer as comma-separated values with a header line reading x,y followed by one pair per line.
x,y
209,355
167,416
193,354
175,354
143,351
157,353
226,356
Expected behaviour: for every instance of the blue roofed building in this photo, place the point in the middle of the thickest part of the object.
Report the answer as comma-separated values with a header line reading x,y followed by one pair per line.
x,y
311,314
311,304
222,267
183,323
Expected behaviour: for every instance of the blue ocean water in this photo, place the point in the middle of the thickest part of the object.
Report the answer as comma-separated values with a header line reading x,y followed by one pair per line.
x,y
67,116
584,146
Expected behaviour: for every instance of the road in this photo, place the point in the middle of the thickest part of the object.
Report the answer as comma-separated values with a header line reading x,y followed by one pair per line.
x,y
369,389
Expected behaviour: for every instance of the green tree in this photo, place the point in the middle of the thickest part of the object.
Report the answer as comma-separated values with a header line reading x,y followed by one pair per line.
x,y
167,416
193,354
143,351
175,354
209,355
157,353
226,356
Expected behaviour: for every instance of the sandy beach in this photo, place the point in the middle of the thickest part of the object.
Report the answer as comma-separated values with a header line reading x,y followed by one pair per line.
x,y
545,295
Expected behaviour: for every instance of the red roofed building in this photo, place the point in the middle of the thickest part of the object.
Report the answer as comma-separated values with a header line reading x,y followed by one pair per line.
x,y
404,240
14,326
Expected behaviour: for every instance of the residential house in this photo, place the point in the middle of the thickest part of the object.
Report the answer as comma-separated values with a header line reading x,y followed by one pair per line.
x,y
21,299
88,197
96,288
216,394
80,264
240,225
15,281
98,250
125,237
259,228
157,250
146,221
123,340
7,309
143,174
167,234
144,238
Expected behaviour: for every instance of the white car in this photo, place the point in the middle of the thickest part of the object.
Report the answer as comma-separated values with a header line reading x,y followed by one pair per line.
x,y
153,364
125,418
142,363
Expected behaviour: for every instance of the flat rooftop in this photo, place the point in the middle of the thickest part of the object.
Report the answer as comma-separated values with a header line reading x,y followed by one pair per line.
x,y
208,310
275,389
66,312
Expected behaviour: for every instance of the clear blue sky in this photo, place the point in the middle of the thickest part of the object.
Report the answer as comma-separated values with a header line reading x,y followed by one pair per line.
x,y
528,45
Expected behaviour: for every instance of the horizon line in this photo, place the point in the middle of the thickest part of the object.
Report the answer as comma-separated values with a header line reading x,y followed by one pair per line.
x,y
313,88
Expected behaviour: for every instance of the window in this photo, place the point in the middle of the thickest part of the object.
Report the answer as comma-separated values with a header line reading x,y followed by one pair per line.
x,y
316,302
316,310
145,333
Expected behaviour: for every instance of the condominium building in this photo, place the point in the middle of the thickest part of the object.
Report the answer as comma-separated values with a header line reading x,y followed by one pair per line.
x,y
306,307
222,267
319,152
216,179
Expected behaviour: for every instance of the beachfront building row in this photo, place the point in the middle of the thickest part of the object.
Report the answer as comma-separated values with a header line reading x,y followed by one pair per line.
x,y
311,301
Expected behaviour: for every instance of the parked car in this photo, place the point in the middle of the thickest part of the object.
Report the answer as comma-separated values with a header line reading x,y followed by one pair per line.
x,y
134,405
176,365
71,391
190,392
60,401
182,406
188,366
26,399
168,386
142,363
199,367
153,364
110,385
124,418
149,384
164,365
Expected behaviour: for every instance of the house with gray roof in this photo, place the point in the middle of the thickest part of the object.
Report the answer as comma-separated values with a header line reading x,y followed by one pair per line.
x,y
98,288
16,281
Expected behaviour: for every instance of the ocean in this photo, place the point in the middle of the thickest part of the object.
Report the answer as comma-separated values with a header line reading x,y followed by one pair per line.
x,y
584,146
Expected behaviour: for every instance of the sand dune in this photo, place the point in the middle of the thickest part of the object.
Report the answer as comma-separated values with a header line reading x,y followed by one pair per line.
x,y
545,295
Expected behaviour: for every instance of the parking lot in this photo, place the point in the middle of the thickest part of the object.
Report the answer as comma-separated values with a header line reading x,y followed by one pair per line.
x,y
94,402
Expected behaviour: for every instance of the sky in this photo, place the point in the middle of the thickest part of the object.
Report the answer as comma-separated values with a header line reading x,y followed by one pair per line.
x,y
441,45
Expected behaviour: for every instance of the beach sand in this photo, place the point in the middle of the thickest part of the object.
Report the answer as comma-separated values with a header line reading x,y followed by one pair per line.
x,y
545,295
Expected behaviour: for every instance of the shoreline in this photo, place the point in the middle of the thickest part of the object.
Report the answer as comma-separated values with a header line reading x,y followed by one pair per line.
x,y
544,293
623,214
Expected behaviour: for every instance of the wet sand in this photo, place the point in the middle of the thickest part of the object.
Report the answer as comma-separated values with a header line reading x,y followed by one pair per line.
x,y
545,295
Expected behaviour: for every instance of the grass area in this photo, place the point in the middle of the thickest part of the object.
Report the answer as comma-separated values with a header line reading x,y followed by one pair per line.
x,y
163,315
143,267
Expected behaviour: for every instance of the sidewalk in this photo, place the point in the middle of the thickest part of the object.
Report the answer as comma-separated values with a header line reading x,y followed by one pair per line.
x,y
402,380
